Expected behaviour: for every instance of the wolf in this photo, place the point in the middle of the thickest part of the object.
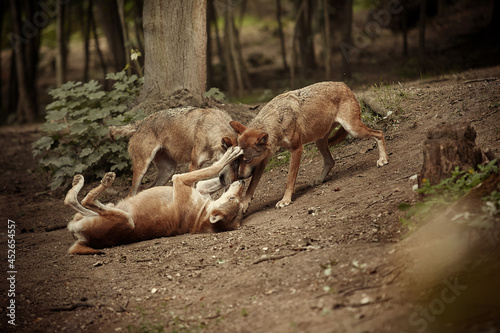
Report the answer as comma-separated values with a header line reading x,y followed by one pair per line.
x,y
179,135
156,212
293,119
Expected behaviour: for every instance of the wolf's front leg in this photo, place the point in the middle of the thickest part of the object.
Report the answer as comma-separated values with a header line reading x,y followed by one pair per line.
x,y
189,178
90,201
71,199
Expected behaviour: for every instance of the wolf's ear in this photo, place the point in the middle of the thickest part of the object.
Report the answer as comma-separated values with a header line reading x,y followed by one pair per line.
x,y
262,139
216,218
237,127
226,143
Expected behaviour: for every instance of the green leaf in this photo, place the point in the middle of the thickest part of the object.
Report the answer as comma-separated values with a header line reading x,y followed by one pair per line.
x,y
87,111
78,128
79,168
43,143
52,127
99,114
92,85
404,206
102,131
96,95
85,152
57,114
93,158
55,105
120,166
70,85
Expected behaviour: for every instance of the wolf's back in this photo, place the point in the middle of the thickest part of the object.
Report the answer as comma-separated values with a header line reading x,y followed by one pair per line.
x,y
125,130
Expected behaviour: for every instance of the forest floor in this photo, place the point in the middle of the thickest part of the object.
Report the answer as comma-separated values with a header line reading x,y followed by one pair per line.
x,y
337,260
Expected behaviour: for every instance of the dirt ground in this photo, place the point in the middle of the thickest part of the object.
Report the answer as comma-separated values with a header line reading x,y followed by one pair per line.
x,y
330,262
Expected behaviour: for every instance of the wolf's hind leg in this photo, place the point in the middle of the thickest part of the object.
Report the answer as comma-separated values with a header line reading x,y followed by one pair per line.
x,y
91,202
328,161
165,167
71,199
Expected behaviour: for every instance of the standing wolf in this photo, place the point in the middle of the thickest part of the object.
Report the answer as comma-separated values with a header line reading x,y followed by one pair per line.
x,y
179,135
295,118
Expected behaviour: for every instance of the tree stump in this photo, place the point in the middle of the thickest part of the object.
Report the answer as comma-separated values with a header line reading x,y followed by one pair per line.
x,y
448,146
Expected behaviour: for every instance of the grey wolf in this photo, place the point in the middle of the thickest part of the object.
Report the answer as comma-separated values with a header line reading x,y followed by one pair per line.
x,y
179,135
295,118
155,212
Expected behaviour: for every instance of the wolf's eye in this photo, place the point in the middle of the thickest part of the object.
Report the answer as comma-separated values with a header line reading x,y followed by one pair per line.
x,y
247,159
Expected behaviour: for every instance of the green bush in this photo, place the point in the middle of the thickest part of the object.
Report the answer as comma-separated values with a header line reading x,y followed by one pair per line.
x,y
448,191
76,135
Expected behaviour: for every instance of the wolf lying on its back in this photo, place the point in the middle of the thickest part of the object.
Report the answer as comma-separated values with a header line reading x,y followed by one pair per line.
x,y
156,212
180,135
295,118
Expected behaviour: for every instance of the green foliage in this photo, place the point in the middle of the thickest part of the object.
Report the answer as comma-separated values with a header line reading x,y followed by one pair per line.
x,y
448,191
215,93
389,96
76,131
459,183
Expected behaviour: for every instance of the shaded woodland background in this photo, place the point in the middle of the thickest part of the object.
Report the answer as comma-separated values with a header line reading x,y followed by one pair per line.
x,y
255,48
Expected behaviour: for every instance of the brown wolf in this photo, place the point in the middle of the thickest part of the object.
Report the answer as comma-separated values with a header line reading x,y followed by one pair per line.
x,y
156,212
179,135
295,118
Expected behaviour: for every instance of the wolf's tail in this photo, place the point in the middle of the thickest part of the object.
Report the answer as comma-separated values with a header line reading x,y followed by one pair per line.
x,y
338,136
125,130
79,248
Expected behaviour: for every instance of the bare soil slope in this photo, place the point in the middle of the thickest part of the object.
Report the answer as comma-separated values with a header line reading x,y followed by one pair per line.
x,y
323,264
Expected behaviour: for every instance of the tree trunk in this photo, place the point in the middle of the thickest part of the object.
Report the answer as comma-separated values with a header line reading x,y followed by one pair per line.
x,y
421,35
86,25
327,48
139,34
3,111
13,95
447,147
404,28
61,46
346,32
495,17
305,37
281,35
96,40
26,105
175,38
109,19
233,69
123,25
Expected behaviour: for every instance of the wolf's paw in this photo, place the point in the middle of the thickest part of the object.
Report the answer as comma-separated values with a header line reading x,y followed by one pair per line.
x,y
77,179
108,179
283,203
245,207
317,181
382,161
234,152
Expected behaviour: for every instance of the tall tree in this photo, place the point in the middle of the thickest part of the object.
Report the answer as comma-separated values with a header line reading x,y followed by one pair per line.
x,y
109,19
281,35
25,40
305,37
3,114
495,17
61,45
175,38
421,35
346,35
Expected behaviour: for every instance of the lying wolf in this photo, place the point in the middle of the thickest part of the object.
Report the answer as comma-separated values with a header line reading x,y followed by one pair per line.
x,y
156,212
